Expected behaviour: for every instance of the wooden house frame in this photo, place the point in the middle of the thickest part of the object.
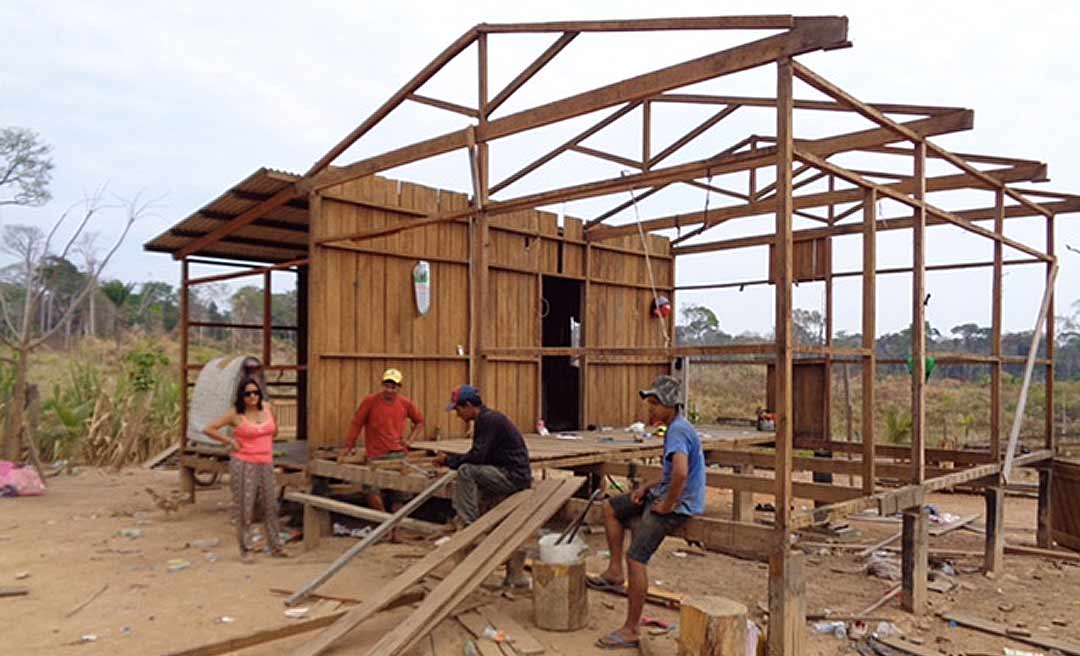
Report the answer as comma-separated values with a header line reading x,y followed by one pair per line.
x,y
476,242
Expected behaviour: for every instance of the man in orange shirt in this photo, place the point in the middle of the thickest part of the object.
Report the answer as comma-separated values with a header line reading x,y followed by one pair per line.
x,y
381,418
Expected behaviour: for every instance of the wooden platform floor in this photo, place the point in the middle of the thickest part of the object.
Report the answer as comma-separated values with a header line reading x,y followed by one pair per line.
x,y
598,444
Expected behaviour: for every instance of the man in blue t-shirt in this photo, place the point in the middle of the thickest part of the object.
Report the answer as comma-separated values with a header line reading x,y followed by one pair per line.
x,y
663,507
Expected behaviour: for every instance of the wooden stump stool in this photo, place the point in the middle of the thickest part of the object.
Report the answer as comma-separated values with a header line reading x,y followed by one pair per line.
x,y
560,601
712,626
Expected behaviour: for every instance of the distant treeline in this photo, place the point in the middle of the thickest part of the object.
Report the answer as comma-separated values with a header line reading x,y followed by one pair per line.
x,y
116,307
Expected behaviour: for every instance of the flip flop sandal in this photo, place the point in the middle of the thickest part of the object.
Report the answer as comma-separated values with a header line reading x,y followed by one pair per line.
x,y
615,641
602,584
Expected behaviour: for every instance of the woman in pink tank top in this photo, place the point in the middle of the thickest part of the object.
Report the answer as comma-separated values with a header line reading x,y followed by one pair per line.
x,y
251,469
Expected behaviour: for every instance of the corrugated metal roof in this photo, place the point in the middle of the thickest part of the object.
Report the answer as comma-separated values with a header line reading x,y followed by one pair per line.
x,y
279,236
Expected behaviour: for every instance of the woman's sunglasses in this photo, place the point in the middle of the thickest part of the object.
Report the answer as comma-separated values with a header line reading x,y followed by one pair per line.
x,y
252,393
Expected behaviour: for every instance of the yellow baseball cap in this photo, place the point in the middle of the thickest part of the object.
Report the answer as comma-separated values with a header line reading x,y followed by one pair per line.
x,y
392,375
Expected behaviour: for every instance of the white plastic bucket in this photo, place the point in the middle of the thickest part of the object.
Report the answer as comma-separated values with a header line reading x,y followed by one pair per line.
x,y
566,553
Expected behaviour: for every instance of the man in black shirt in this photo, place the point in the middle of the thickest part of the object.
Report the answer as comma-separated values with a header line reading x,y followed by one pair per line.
x,y
496,466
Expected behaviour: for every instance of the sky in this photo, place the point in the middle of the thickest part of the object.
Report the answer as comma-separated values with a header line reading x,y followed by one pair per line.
x,y
179,101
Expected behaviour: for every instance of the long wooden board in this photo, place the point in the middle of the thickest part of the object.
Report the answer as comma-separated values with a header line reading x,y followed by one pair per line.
x,y
358,512
409,577
1037,639
547,498
373,537
263,636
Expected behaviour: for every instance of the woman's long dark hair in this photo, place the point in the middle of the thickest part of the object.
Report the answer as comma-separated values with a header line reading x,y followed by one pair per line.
x,y
240,406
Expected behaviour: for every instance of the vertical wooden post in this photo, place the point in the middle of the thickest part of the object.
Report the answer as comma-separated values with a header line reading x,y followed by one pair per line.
x,y
869,331
302,351
752,179
995,328
187,475
1044,535
480,223
742,501
646,134
913,561
918,323
915,536
995,494
317,525
267,320
783,282
829,294
185,318
1051,347
995,529
312,277
787,605
586,328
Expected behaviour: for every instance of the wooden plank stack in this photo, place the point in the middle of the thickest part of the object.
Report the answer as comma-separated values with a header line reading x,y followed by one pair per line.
x,y
506,527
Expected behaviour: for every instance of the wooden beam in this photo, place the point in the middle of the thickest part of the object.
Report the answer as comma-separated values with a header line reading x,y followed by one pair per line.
x,y
531,70
599,154
919,204
994,560
914,561
743,483
295,248
875,115
808,35
892,223
918,322
691,135
829,89
762,22
425,74
547,157
787,603
372,538
247,217
822,148
825,105
261,223
359,512
442,104
782,265
869,332
996,301
416,572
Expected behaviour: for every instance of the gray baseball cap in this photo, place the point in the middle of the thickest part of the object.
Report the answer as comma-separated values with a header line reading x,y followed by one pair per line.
x,y
666,390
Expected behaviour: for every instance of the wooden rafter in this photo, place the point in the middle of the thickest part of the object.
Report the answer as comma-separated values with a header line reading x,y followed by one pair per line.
x,y
443,104
721,214
823,105
828,88
919,203
763,22
531,70
807,35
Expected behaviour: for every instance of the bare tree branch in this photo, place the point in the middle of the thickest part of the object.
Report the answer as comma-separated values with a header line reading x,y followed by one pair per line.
x,y
134,212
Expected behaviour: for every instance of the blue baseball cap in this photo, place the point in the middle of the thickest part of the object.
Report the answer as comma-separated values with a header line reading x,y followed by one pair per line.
x,y
463,394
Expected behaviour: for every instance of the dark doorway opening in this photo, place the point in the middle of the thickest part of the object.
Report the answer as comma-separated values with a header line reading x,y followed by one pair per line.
x,y
560,376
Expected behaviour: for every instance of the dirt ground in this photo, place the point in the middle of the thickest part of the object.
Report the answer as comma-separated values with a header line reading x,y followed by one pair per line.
x,y
70,544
